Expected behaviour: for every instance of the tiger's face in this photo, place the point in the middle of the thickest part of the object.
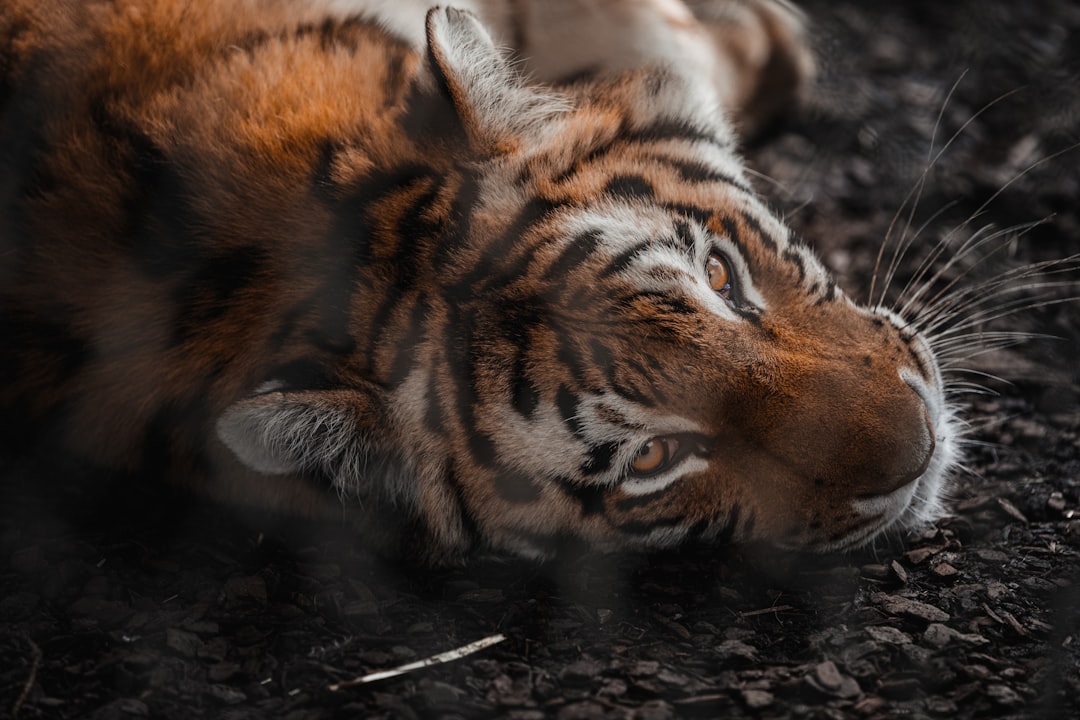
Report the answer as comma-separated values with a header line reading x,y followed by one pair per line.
x,y
650,376
618,343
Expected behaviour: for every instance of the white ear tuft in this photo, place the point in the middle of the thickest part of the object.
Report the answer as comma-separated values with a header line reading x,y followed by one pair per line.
x,y
495,103
277,433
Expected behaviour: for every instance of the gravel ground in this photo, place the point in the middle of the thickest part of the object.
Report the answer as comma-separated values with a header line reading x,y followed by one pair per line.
x,y
169,608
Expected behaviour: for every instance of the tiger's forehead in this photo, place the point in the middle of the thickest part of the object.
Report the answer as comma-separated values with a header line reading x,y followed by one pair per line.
x,y
664,248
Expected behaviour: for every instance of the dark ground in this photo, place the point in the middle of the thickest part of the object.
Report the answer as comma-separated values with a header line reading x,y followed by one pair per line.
x,y
187,612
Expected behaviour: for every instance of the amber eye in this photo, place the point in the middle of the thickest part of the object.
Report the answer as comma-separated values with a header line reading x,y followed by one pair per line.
x,y
655,455
719,275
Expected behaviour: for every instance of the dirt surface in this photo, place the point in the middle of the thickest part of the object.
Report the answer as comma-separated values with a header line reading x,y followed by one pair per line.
x,y
189,610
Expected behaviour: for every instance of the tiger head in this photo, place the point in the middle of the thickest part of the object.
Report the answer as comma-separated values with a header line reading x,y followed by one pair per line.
x,y
607,337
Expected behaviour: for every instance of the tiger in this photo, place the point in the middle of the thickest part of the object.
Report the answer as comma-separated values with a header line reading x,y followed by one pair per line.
x,y
489,277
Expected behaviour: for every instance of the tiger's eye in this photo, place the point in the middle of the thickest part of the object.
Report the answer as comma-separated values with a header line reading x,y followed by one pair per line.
x,y
719,275
654,455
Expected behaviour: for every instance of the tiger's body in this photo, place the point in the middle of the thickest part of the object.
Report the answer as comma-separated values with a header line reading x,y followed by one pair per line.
x,y
291,255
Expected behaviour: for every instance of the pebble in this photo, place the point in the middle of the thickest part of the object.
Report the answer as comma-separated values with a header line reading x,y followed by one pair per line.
x,y
757,699
944,571
939,636
897,605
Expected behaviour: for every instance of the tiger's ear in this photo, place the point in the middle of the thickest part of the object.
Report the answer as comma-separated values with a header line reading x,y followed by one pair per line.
x,y
327,431
496,105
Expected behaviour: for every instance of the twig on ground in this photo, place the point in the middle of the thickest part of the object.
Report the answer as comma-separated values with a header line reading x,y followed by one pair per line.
x,y
448,656
35,663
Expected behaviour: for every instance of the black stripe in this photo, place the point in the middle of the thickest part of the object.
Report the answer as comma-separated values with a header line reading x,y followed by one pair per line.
x,y
662,301
629,187
468,521
160,219
515,487
673,129
658,397
591,497
697,530
488,272
796,259
698,172
644,527
829,293
481,447
600,457
730,525
623,260
755,227
567,403
433,417
749,524
569,356
302,374
731,231
574,253
405,349
699,215
686,237
323,185
525,395
403,269
208,292
636,502
39,345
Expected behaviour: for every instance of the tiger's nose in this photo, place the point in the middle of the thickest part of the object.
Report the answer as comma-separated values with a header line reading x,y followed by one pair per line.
x,y
910,462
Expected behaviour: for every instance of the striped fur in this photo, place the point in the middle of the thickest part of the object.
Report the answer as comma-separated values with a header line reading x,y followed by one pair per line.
x,y
284,257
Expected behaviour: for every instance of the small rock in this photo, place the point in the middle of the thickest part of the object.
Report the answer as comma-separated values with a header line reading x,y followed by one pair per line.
x,y
1004,695
944,571
183,642
886,634
645,668
225,694
441,696
1056,501
737,649
582,711
900,688
897,605
222,671
654,710
828,675
869,705
828,679
919,555
939,636
874,572
581,672
603,615
757,699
